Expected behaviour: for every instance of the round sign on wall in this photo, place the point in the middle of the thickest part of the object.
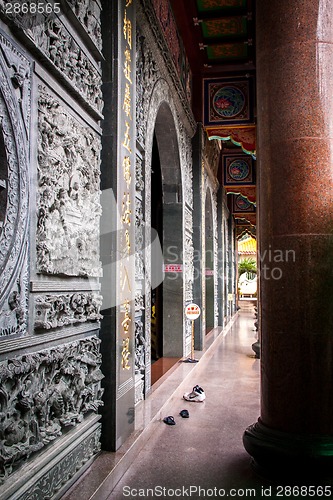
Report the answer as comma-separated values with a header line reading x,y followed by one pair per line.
x,y
192,311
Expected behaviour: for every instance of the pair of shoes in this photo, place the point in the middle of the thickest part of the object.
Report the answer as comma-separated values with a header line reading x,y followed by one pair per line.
x,y
169,420
196,396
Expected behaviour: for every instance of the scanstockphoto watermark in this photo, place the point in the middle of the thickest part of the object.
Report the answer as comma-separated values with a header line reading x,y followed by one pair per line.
x,y
187,492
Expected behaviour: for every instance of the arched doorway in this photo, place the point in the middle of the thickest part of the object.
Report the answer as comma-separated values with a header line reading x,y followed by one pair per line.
x,y
167,220
209,263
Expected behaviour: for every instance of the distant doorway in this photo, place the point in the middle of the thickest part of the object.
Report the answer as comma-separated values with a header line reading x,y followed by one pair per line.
x,y
167,336
157,224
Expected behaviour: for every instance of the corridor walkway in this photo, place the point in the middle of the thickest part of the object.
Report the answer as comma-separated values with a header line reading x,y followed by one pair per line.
x,y
204,450
201,456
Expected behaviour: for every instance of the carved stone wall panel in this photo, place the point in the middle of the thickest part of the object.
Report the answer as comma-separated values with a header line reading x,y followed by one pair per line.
x,y
217,258
155,87
88,13
15,83
146,76
56,311
46,32
140,340
151,30
42,395
68,198
51,482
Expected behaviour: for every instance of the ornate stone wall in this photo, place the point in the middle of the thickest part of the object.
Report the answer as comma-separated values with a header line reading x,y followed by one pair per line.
x,y
155,85
15,90
43,395
50,378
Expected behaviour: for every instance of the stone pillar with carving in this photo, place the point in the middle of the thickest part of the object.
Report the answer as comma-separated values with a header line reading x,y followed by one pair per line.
x,y
295,145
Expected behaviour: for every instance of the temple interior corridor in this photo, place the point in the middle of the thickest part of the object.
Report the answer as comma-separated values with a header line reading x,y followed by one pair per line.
x,y
204,451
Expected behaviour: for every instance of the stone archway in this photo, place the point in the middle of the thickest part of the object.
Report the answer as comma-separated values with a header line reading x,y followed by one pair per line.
x,y
171,232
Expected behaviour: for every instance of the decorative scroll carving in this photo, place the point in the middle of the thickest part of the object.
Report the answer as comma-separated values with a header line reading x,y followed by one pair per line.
x,y
185,150
68,193
42,395
139,240
50,36
51,482
140,341
14,118
19,70
88,13
140,344
55,311
146,76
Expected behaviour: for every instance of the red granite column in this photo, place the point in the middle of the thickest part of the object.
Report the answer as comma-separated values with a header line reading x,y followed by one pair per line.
x,y
295,164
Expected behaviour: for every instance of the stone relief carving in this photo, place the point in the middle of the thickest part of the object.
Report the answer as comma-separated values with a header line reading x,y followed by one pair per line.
x,y
146,76
68,193
19,70
88,13
55,42
146,17
185,150
140,341
42,395
14,193
140,345
139,240
55,311
51,482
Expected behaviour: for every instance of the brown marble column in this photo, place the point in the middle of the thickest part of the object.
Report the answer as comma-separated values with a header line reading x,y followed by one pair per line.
x,y
295,164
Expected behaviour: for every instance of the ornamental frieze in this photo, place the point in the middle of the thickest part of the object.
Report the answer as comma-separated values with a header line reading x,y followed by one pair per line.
x,y
56,311
44,394
68,199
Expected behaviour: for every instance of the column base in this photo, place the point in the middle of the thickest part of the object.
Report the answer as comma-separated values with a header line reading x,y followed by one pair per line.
x,y
279,454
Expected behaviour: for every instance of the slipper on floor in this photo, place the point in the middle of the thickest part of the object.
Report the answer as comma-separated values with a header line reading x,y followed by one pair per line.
x,y
184,414
169,420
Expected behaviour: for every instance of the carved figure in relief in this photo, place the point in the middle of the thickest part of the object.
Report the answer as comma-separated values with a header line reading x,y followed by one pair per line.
x,y
41,394
69,208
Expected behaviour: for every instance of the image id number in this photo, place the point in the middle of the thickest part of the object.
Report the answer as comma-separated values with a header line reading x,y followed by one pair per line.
x,y
32,8
303,491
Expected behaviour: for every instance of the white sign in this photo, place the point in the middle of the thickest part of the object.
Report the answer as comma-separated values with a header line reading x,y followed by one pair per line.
x,y
192,311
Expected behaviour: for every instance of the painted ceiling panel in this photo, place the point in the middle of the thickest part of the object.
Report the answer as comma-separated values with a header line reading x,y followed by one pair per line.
x,y
209,5
225,27
227,51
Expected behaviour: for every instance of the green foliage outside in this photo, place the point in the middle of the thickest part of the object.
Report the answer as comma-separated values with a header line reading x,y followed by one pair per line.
x,y
248,266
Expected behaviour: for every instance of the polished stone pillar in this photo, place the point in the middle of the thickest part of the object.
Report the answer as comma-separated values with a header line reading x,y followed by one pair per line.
x,y
295,164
